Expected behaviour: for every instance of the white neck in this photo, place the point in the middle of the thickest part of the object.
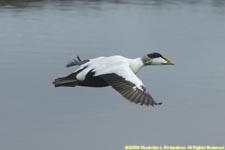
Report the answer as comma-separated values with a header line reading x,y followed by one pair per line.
x,y
136,64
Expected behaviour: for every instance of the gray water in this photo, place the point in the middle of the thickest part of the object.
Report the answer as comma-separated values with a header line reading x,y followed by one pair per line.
x,y
37,39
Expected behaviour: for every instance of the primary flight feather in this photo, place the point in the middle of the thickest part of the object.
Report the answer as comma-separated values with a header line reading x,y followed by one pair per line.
x,y
116,71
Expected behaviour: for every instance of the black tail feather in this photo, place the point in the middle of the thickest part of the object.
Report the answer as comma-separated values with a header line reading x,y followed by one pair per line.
x,y
63,82
68,81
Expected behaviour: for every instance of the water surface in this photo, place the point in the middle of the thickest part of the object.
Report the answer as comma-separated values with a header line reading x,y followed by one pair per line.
x,y
37,39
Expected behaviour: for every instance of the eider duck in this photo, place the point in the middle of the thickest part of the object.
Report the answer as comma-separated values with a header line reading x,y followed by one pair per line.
x,y
116,71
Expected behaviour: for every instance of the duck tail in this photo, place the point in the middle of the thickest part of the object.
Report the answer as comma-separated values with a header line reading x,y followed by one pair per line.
x,y
68,81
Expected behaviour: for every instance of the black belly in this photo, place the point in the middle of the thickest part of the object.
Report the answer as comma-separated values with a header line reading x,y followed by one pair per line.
x,y
93,81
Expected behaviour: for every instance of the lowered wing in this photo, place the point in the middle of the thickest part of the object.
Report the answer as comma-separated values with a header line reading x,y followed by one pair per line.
x,y
129,85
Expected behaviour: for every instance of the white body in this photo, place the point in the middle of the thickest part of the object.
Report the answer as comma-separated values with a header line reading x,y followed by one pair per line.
x,y
119,65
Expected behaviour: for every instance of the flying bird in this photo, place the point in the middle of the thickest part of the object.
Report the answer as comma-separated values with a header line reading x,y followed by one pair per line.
x,y
116,71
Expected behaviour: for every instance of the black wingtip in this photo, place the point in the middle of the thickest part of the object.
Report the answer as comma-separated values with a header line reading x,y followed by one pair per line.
x,y
156,104
160,103
70,64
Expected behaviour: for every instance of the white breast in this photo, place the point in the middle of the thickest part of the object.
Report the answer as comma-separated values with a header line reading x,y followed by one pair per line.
x,y
136,64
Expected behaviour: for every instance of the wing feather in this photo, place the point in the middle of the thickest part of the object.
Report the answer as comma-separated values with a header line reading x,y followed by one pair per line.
x,y
133,90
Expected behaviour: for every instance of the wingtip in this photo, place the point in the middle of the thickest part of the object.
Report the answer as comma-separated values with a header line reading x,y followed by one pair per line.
x,y
160,103
155,104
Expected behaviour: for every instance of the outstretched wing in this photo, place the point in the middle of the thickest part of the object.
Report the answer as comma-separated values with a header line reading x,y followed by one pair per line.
x,y
129,85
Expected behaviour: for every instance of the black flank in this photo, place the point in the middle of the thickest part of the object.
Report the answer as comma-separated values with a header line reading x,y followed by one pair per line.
x,y
93,81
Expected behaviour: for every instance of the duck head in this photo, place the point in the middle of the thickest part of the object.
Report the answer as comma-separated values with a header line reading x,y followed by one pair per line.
x,y
156,59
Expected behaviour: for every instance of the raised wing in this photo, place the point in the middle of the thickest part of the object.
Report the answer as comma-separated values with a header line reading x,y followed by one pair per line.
x,y
76,61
